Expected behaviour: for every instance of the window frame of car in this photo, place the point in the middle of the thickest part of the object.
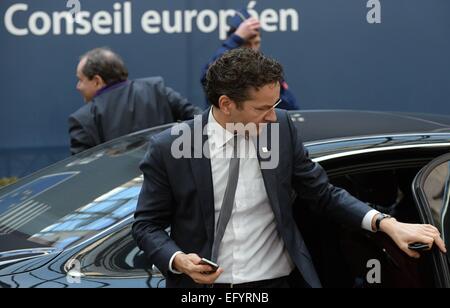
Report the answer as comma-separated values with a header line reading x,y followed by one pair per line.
x,y
425,211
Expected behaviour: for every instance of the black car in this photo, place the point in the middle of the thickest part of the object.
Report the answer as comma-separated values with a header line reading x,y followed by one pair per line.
x,y
69,225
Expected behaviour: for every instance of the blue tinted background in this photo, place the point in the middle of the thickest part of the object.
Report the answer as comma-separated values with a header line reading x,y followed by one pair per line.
x,y
335,61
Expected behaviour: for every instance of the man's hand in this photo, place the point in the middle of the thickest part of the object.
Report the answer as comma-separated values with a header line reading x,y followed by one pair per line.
x,y
404,234
248,28
190,265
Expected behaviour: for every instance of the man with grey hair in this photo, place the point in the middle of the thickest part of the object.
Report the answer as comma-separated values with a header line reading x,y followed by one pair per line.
x,y
116,106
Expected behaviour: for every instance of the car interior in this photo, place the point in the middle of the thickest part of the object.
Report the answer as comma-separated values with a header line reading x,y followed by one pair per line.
x,y
342,256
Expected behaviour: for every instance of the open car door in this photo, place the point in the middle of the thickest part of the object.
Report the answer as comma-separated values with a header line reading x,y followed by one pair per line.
x,y
431,191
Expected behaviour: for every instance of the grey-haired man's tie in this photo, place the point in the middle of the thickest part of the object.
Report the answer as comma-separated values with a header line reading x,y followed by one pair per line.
x,y
228,201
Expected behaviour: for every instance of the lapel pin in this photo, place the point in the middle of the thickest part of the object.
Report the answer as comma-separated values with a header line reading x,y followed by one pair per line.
x,y
265,150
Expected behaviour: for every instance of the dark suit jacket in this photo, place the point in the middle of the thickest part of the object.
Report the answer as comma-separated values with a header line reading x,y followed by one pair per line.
x,y
133,106
179,193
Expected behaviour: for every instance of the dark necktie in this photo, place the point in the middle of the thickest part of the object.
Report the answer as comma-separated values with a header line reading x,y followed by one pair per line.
x,y
228,202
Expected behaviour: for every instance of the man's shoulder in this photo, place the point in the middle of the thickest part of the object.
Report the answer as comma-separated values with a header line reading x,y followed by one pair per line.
x,y
283,118
141,85
136,90
152,81
82,113
281,113
148,86
286,127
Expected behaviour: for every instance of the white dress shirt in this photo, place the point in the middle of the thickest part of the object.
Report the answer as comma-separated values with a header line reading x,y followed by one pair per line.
x,y
251,249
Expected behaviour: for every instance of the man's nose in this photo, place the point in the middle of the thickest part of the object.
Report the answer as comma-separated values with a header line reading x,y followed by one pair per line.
x,y
271,116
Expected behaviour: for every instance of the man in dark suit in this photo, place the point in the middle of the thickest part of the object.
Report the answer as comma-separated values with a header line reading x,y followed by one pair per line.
x,y
237,209
117,106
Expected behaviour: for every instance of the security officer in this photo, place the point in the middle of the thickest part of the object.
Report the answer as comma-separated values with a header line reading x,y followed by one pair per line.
x,y
244,32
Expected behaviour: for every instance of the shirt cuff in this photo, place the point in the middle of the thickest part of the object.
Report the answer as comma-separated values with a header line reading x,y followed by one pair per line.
x,y
367,220
171,261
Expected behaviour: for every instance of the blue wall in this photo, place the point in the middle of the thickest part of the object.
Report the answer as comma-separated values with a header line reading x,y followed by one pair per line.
x,y
336,59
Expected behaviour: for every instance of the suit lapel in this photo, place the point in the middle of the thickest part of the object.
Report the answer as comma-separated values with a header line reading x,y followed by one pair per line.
x,y
201,170
270,177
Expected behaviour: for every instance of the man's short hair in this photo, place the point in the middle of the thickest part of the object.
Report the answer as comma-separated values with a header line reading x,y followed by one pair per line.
x,y
237,71
105,63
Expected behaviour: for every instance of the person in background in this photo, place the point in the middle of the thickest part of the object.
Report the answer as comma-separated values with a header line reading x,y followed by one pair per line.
x,y
116,106
245,32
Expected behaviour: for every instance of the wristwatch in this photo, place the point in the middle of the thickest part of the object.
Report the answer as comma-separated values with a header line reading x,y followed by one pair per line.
x,y
380,217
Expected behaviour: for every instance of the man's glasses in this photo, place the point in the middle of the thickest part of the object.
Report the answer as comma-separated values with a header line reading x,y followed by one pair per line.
x,y
276,104
271,108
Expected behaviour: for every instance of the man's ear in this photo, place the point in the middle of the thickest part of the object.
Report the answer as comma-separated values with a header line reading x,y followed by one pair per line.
x,y
99,83
226,104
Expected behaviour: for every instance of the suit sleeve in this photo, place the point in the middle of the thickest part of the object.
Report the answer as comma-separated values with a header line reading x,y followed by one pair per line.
x,y
80,140
181,109
154,212
312,185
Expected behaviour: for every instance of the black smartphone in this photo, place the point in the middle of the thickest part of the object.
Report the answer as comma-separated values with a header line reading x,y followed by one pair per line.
x,y
418,246
210,263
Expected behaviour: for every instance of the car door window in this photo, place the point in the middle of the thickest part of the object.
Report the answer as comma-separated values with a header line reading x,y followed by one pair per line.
x,y
385,183
431,193
432,189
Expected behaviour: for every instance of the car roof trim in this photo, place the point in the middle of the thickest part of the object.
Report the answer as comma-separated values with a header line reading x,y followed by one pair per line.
x,y
373,150
362,137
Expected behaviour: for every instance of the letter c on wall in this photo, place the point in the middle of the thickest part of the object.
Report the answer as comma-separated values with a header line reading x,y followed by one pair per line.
x,y
9,15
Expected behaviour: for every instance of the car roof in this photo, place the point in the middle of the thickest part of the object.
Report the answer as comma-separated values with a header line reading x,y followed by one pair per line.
x,y
317,125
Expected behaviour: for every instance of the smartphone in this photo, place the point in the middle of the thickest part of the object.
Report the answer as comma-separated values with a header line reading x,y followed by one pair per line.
x,y
418,246
210,263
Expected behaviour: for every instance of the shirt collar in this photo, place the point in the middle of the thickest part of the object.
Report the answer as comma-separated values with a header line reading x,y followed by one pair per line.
x,y
217,135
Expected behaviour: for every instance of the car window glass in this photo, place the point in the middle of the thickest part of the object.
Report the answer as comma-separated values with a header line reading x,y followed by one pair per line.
x,y
436,191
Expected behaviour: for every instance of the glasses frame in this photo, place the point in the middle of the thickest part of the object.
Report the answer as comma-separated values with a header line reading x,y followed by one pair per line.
x,y
270,109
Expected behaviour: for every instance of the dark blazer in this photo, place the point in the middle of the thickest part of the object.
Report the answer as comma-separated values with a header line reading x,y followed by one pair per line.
x,y
179,193
130,107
